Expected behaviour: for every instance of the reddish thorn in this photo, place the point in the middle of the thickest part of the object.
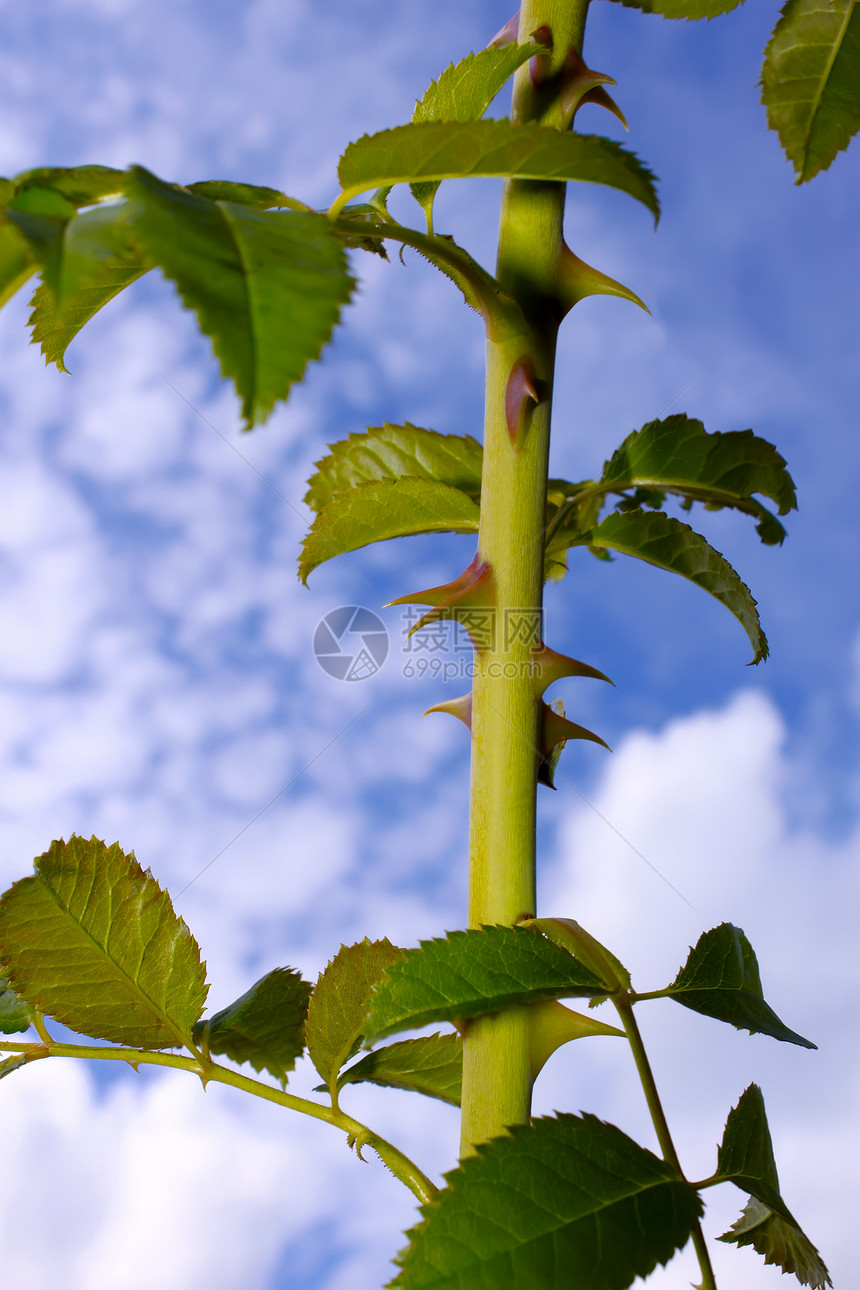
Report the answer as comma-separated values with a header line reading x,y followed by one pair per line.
x,y
509,32
575,82
520,387
599,96
551,666
556,729
469,599
539,65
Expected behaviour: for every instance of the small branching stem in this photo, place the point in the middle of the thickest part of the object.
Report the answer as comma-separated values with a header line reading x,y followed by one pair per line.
x,y
624,1007
400,1165
505,710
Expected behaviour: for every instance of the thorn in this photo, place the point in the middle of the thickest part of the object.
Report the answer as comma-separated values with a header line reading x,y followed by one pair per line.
x,y
576,280
555,732
509,32
576,80
469,599
599,96
460,708
551,666
539,66
520,388
556,729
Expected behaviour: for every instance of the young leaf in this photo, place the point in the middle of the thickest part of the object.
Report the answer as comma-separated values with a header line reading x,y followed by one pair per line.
x,y
564,1201
465,150
463,92
385,509
721,979
811,81
677,455
267,286
93,941
265,1026
338,1005
432,1065
665,542
780,1242
79,185
16,263
16,1014
390,452
468,973
684,8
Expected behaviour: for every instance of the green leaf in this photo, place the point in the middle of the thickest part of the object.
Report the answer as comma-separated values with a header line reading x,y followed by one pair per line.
x,y
16,263
721,979
93,941
564,1201
676,455
338,1005
466,89
390,452
265,1027
468,973
432,1065
665,542
684,8
811,81
40,217
465,150
746,1152
267,286
253,195
95,262
79,185
385,509
780,1242
567,933
463,92
16,1015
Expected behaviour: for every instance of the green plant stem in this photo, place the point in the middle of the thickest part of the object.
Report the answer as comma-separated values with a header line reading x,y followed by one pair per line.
x,y
505,707
624,1008
357,1133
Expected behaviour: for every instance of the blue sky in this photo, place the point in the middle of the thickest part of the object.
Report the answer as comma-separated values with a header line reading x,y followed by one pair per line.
x,y
158,686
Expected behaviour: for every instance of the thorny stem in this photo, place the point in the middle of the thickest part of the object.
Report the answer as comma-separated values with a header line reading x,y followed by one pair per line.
x,y
505,709
357,1133
624,1008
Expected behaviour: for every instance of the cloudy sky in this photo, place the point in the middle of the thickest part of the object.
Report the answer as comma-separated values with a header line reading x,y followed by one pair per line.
x,y
158,685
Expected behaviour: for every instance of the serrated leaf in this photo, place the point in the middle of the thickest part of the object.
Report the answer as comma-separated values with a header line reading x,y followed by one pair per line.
x,y
469,973
564,1201
93,941
432,1065
663,541
385,509
684,8
338,1005
677,455
16,1014
721,979
464,150
811,81
80,185
780,1242
95,262
746,1152
463,92
390,452
568,933
267,286
265,1026
16,263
